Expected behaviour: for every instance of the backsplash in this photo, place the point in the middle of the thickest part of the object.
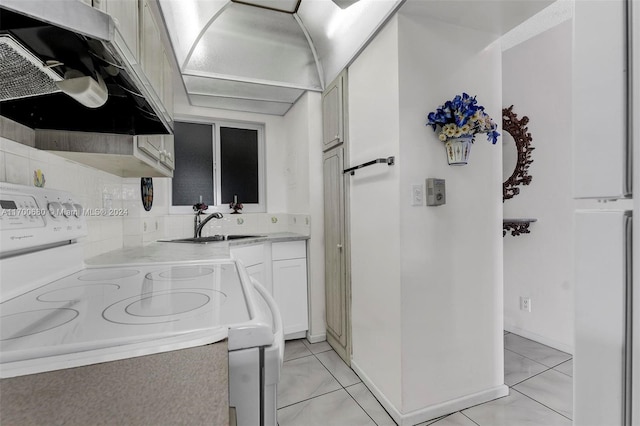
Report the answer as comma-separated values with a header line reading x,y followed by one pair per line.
x,y
125,223
18,163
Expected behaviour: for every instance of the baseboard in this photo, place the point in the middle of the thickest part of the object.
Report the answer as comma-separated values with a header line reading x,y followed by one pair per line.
x,y
293,336
434,411
540,339
316,338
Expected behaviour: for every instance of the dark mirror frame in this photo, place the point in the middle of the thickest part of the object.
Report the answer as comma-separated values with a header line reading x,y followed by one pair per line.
x,y
520,133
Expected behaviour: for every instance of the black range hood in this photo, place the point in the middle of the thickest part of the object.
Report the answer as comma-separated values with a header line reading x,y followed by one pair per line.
x,y
71,37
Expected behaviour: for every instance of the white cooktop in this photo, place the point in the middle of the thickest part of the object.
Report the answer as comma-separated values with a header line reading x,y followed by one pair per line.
x,y
105,308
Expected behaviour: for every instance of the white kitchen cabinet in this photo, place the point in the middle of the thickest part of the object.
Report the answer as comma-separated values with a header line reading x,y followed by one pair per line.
x,y
290,285
333,113
258,273
254,258
167,155
167,85
159,148
120,155
125,14
290,293
151,50
281,267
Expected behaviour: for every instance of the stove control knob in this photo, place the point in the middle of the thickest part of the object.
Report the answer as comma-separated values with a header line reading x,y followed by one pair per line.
x,y
55,209
67,209
77,211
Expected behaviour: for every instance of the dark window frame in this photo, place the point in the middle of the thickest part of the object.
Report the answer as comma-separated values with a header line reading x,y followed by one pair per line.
x,y
217,206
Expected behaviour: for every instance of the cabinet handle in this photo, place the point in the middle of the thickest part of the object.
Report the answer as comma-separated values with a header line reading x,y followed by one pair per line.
x,y
339,246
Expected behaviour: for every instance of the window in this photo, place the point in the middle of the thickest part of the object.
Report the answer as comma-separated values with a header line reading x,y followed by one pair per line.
x,y
218,161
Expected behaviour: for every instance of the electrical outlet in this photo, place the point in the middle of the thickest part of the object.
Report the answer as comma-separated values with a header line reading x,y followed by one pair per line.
x,y
417,195
525,304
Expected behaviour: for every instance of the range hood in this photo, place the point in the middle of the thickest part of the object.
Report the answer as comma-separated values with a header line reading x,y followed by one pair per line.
x,y
61,59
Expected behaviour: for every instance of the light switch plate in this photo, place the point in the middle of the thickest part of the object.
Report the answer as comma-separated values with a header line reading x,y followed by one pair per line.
x,y
417,195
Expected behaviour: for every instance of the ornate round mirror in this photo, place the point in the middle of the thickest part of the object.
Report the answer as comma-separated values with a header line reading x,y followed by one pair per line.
x,y
516,153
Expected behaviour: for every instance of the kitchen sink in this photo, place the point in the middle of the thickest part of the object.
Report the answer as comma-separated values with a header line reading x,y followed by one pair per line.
x,y
212,239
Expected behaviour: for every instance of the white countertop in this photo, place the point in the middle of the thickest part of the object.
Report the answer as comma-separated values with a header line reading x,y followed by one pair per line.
x,y
170,252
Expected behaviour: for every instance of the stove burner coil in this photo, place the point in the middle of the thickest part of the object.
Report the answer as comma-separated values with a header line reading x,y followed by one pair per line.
x,y
106,275
77,292
22,324
164,306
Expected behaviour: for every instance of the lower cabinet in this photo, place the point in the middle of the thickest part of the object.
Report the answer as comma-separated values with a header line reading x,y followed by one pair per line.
x,y
281,267
257,272
290,285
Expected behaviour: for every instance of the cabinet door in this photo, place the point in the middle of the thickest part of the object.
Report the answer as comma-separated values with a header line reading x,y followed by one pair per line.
x,y
150,48
290,293
333,114
125,14
167,85
151,145
257,272
601,140
167,157
337,289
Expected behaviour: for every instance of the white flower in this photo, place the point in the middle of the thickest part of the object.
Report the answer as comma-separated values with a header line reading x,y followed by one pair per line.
x,y
450,130
466,128
442,137
458,132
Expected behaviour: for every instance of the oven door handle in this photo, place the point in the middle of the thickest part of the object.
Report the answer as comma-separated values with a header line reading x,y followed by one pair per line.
x,y
273,307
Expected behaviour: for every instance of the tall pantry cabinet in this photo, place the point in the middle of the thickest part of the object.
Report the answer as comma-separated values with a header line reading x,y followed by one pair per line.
x,y
336,217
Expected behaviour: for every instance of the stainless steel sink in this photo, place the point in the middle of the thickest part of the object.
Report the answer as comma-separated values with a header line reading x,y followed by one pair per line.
x,y
212,239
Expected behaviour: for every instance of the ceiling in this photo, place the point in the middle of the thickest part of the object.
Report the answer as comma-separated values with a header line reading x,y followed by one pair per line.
x,y
262,55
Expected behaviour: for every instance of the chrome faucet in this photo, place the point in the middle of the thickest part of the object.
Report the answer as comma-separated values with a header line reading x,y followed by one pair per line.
x,y
198,225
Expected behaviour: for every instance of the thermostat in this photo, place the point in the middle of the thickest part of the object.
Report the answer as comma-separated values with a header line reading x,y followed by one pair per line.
x,y
436,194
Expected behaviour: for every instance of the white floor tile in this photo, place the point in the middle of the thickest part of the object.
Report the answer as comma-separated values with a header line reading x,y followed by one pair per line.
x,y
534,350
304,378
332,409
316,348
432,421
455,419
565,367
338,368
551,388
295,349
518,368
515,410
370,404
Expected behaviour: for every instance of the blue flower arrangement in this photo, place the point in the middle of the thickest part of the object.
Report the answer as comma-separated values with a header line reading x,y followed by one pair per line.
x,y
462,117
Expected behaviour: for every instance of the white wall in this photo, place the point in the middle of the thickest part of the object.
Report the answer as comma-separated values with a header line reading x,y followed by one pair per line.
x,y
303,171
375,222
426,281
537,81
451,254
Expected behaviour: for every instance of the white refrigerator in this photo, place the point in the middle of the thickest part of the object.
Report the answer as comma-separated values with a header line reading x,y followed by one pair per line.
x,y
606,110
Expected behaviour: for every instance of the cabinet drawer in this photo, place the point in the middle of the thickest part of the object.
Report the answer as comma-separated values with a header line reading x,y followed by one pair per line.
x,y
289,250
249,255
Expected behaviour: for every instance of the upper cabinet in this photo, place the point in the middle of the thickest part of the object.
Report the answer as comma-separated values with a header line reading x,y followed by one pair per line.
x,y
151,50
125,14
167,84
333,112
601,122
127,155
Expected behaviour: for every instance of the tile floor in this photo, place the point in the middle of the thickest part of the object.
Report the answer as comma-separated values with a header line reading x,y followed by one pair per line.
x,y
318,388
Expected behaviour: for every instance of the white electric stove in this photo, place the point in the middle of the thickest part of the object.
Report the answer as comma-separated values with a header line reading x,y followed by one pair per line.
x,y
55,312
